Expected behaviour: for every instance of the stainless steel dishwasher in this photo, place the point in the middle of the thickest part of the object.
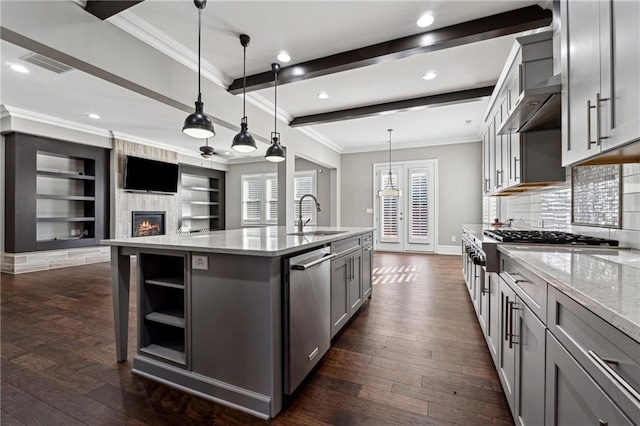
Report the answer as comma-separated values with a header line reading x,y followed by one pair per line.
x,y
307,314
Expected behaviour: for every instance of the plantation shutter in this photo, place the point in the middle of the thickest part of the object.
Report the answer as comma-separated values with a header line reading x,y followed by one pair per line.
x,y
271,204
251,199
389,210
418,205
305,183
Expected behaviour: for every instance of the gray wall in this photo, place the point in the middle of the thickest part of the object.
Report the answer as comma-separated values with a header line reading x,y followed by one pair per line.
x,y
458,185
234,191
323,182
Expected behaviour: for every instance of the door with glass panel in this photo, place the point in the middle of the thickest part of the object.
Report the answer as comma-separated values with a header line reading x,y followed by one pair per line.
x,y
407,222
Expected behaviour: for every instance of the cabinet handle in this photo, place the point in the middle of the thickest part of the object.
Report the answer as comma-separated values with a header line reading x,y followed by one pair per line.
x,y
486,185
483,287
353,267
598,119
512,308
347,273
589,141
605,366
515,168
506,318
516,281
498,180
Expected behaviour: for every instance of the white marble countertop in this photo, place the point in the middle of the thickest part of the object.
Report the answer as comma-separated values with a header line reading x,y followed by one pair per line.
x,y
265,241
604,280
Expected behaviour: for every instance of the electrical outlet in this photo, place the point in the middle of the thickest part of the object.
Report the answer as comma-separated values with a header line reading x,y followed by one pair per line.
x,y
540,223
75,232
200,262
369,210
453,238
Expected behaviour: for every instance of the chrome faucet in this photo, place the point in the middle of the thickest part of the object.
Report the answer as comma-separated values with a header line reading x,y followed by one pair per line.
x,y
300,224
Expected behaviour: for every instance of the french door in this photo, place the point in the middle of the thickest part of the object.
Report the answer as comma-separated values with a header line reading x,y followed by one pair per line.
x,y
407,222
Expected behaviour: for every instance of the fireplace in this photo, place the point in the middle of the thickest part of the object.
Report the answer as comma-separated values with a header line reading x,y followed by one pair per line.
x,y
144,224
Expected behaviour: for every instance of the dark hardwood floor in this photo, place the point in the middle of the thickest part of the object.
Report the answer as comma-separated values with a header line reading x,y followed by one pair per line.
x,y
414,355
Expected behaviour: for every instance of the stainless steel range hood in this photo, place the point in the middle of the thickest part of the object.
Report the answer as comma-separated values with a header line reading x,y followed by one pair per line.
x,y
537,108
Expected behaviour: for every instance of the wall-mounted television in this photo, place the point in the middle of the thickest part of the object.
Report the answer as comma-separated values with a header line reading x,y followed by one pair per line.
x,y
144,175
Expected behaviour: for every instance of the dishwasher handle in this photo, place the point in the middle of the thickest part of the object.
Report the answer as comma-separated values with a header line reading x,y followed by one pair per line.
x,y
306,266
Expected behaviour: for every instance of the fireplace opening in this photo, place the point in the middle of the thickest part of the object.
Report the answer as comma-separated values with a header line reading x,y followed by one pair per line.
x,y
145,224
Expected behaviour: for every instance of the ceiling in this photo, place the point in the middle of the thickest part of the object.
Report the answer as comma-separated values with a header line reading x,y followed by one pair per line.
x,y
307,30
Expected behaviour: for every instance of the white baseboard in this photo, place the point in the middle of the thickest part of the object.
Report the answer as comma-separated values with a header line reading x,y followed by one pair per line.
x,y
453,250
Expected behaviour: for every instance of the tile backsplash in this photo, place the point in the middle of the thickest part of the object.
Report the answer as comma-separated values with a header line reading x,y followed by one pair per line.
x,y
549,208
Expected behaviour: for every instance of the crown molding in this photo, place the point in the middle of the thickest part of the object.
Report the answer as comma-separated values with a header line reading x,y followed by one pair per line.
x,y
314,134
53,121
139,28
409,145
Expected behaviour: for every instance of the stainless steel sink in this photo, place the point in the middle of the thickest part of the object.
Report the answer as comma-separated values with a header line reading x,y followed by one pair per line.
x,y
316,233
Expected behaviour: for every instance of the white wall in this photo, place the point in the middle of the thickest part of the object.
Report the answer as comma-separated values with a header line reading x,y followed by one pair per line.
x,y
552,205
458,185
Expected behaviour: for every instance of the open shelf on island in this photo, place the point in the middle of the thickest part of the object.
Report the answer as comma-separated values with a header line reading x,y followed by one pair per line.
x,y
174,317
170,353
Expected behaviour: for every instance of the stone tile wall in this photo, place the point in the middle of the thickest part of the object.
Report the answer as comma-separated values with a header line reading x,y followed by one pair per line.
x,y
18,263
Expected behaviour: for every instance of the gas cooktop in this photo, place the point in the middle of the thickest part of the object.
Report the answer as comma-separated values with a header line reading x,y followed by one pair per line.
x,y
546,237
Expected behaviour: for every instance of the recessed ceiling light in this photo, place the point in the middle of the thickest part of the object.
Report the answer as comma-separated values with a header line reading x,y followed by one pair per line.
x,y
93,115
425,20
430,75
19,68
284,57
323,95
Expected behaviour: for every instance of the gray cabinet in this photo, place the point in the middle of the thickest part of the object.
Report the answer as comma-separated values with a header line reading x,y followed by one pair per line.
x,y
601,68
492,329
522,358
514,162
340,274
573,397
367,263
506,349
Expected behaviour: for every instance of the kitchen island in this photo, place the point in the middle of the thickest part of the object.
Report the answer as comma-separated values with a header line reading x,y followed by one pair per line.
x,y
212,307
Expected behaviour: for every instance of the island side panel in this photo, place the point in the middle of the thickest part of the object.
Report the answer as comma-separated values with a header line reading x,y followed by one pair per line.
x,y
120,288
236,319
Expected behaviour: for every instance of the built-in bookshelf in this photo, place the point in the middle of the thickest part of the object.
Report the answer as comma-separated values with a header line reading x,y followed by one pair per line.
x,y
201,199
56,194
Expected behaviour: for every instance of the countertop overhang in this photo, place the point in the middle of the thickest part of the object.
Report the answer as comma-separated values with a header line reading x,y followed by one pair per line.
x,y
270,241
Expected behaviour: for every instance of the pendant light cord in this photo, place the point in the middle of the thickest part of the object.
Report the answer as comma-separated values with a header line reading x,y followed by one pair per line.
x,y
244,83
275,103
390,175
199,37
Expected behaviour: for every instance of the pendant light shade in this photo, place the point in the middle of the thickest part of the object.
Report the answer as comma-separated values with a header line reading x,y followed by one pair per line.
x,y
198,124
389,189
243,141
275,153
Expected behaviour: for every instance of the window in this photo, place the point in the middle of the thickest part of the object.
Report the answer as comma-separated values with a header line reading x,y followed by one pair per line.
x,y
389,209
418,205
305,183
260,198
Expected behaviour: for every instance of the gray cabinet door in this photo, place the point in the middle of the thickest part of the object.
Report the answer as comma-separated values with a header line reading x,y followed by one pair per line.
x,y
530,354
581,65
492,330
367,262
620,71
355,283
507,351
572,397
339,290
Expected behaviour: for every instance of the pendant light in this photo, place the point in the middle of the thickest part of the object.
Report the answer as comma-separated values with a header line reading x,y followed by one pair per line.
x,y
389,189
198,124
243,142
275,152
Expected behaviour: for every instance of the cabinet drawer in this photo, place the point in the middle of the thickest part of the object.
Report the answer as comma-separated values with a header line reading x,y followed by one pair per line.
x,y
343,246
367,239
608,355
531,288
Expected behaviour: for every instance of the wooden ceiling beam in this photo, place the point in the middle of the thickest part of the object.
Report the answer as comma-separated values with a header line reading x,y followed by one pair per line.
x,y
489,27
406,104
105,9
